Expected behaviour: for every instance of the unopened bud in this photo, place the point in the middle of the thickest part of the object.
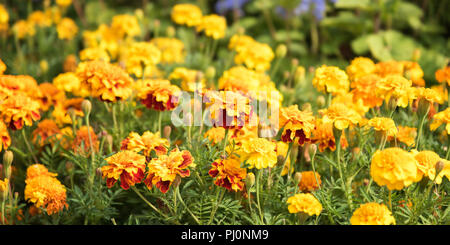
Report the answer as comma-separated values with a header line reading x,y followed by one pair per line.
x,y
298,177
337,134
8,158
439,167
320,101
306,107
299,74
423,108
156,24
281,51
44,66
241,31
294,62
210,72
98,172
312,149
280,160
416,55
171,32
86,106
392,104
109,140
249,180
139,14
176,181
286,74
69,167
167,131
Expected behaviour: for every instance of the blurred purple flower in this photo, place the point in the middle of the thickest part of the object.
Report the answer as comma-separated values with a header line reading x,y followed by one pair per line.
x,y
316,7
223,6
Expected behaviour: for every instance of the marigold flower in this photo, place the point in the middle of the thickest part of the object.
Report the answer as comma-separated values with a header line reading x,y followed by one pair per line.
x,y
36,170
331,79
215,135
19,110
23,28
406,135
141,55
340,116
391,67
396,87
63,3
67,29
172,49
351,102
440,118
363,88
163,170
228,174
129,166
125,25
146,143
191,80
259,153
2,67
39,19
95,53
372,214
46,131
240,42
5,139
297,124
360,66
186,14
158,94
304,203
413,72
281,149
395,168
4,15
383,124
51,95
4,185
308,182
427,161
323,135
10,85
257,56
61,111
428,94
443,75
81,143
104,80
213,25
68,82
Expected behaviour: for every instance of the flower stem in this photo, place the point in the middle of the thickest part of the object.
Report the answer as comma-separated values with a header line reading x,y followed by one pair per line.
x,y
344,183
285,160
28,146
184,204
149,204
216,205
419,134
258,180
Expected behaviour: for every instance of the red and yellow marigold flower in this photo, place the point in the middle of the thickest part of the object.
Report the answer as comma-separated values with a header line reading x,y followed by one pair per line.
x,y
128,166
323,135
81,143
51,95
372,214
19,110
228,173
61,111
146,143
46,132
298,125
5,139
163,170
158,94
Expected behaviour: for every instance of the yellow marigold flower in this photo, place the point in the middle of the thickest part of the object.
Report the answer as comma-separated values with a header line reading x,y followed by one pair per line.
x,y
186,14
54,14
396,87
228,109
103,80
427,161
308,182
213,25
440,118
146,143
389,68
81,144
243,134
163,170
36,170
360,66
395,168
23,28
442,92
51,95
281,150
4,15
61,111
383,124
2,67
39,19
46,132
331,79
67,29
297,124
256,57
129,166
428,94
239,78
443,75
11,85
158,94
3,185
5,139
63,3
240,42
19,110
372,214
228,174
406,135
340,116
259,153
413,72
215,135
172,49
96,53
323,135
141,55
68,82
363,88
125,25
304,203
349,100
191,80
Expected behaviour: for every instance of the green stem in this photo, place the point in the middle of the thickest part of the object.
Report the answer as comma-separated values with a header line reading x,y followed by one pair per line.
x,y
149,204
216,205
285,160
314,169
159,122
258,180
28,146
341,175
419,134
184,204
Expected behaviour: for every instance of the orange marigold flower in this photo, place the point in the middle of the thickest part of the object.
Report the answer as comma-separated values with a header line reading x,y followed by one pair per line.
x,y
406,135
304,203
146,143
340,116
413,72
81,143
163,170
5,139
440,118
103,80
46,131
51,95
159,94
323,135
331,79
2,67
13,84
228,174
36,170
395,87
363,88
297,124
395,168
372,214
61,111
309,182
443,75
360,66
67,29
389,68
70,63
129,166
19,110
215,135
186,14
383,124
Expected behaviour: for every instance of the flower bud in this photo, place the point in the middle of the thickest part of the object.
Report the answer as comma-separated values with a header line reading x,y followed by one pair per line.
x,y
69,167
392,104
299,74
249,180
44,66
294,62
176,181
306,107
439,167
171,32
139,14
109,141
99,172
280,160
416,55
312,149
298,177
337,134
210,72
423,108
320,101
8,158
156,24
286,74
281,51
166,132
241,31
86,106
